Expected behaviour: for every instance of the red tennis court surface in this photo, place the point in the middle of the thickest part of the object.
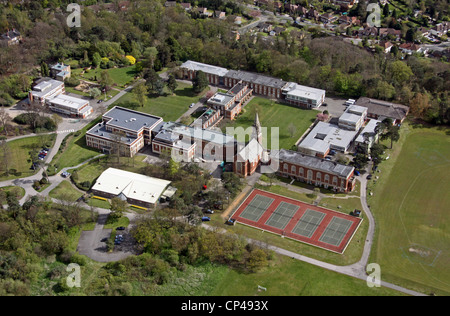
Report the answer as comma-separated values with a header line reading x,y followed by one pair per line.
x,y
297,220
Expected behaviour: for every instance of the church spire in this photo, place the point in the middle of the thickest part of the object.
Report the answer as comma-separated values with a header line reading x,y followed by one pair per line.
x,y
257,129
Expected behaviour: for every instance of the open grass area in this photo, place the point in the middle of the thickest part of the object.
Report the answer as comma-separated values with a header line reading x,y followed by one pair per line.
x,y
19,158
76,151
273,114
120,76
410,203
65,191
169,107
288,277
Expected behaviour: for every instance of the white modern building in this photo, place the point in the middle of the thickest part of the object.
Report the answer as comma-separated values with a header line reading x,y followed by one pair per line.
x,y
71,106
46,89
136,189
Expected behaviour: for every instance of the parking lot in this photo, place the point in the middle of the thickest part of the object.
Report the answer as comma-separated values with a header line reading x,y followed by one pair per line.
x,y
335,106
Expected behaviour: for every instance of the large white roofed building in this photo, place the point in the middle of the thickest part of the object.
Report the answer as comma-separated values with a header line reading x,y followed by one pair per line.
x,y
136,189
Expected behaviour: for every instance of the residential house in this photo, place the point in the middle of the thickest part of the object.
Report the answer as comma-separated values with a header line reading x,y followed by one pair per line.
x,y
327,18
265,27
345,19
410,48
345,4
11,37
390,33
368,31
186,6
313,14
219,14
386,45
60,71
440,29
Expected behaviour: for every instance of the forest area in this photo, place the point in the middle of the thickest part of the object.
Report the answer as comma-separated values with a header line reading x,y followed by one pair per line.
x,y
159,36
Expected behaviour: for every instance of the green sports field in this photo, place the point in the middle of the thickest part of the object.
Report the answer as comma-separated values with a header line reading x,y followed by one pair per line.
x,y
273,114
411,204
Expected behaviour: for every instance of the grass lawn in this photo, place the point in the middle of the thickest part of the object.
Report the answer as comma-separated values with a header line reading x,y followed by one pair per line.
x,y
121,76
410,203
288,277
19,192
65,191
169,107
19,157
273,114
76,150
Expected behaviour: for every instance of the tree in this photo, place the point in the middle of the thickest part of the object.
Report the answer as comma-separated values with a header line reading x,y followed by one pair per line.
x,y
200,82
105,80
96,60
419,104
44,70
400,73
140,93
172,83
5,118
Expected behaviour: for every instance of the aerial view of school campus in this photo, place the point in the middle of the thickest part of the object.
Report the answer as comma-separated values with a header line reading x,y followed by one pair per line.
x,y
214,149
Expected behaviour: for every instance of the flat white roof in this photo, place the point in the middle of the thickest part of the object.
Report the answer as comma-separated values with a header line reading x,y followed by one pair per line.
x,y
304,91
325,135
45,87
68,101
196,66
132,185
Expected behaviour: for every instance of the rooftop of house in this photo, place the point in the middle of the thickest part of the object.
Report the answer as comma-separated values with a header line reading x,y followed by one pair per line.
x,y
316,163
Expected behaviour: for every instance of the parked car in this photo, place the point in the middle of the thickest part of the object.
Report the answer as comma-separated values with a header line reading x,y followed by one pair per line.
x,y
206,219
357,173
208,211
65,174
192,105
120,228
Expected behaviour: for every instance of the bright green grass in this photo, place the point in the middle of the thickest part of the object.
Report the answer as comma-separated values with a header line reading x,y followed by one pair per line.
x,y
76,150
19,157
411,204
273,114
65,191
120,76
169,107
289,277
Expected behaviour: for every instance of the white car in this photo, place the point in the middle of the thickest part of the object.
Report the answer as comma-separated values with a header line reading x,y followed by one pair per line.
x,y
192,105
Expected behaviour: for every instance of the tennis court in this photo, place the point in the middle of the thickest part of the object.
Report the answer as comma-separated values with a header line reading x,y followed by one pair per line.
x,y
308,223
317,226
282,215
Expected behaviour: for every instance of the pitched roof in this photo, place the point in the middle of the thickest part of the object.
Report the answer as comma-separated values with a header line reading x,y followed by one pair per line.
x,y
384,108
